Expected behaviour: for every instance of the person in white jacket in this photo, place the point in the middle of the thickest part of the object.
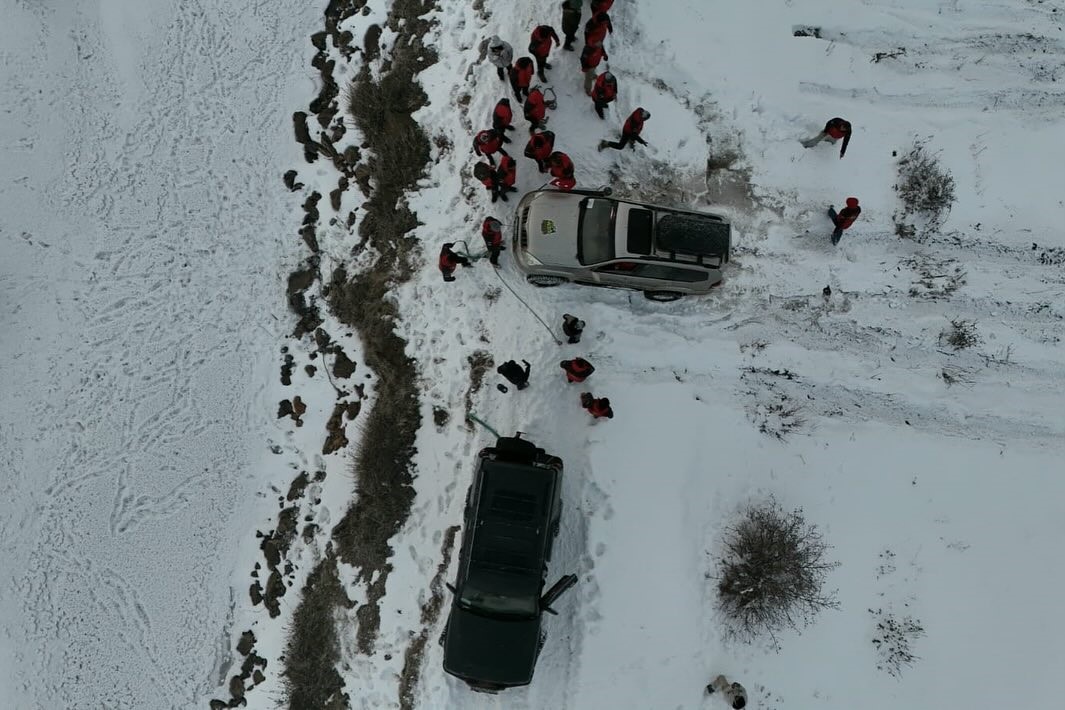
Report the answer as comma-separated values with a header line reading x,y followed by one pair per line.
x,y
500,54
733,693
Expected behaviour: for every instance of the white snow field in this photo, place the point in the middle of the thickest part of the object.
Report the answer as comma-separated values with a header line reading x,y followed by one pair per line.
x,y
146,237
145,247
942,503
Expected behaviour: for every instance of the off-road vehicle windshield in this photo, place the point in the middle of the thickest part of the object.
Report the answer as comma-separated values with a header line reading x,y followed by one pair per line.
x,y
491,593
595,242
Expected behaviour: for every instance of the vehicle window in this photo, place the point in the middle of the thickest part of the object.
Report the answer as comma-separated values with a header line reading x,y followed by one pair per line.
x,y
595,233
641,224
669,273
492,602
623,267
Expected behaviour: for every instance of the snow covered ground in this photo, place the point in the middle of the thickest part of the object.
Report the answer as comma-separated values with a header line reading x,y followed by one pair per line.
x,y
143,304
146,238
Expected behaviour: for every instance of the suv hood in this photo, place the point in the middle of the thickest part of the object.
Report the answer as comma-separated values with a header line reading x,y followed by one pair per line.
x,y
550,221
500,651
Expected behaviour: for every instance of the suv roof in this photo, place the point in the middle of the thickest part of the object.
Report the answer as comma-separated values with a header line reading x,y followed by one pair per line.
x,y
511,524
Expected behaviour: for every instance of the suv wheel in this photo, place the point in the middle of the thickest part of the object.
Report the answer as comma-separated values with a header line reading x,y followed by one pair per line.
x,y
544,281
662,296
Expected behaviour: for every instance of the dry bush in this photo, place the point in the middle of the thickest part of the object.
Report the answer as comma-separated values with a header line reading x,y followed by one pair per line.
x,y
894,641
772,573
925,188
960,335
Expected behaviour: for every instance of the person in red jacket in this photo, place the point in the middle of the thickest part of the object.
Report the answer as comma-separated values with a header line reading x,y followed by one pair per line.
x,y
449,261
502,116
540,47
487,142
536,109
835,129
601,5
539,148
630,132
577,370
596,29
492,233
561,168
604,92
591,55
845,218
597,407
487,175
521,75
506,176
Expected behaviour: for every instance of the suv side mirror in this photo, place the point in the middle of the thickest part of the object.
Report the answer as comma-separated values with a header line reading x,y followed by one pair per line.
x,y
556,591
451,588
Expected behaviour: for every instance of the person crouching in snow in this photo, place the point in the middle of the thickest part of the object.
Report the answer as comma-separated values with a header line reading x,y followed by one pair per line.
x,y
845,218
487,142
597,407
572,327
835,129
630,132
449,261
502,116
733,693
604,91
500,54
536,109
492,233
521,75
577,370
539,148
561,170
514,374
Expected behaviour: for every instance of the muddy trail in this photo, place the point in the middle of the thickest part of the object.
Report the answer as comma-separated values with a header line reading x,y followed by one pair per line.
x,y
388,161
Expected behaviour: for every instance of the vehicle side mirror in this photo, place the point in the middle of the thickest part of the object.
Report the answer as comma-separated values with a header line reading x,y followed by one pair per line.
x,y
556,590
451,588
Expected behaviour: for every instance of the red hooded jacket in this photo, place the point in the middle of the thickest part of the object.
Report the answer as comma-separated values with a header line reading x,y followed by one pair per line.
x,y
540,146
634,123
577,370
507,173
591,55
491,232
846,216
596,29
448,263
540,44
487,142
502,115
601,6
604,91
521,73
535,108
562,170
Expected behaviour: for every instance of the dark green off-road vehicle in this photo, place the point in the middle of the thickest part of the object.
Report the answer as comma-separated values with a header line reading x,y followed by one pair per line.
x,y
513,510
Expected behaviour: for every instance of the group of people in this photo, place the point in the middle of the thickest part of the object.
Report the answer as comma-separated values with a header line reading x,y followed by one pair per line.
x,y
576,370
835,129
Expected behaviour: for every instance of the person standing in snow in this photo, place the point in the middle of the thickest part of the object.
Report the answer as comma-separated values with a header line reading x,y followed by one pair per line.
x,y
561,168
500,54
835,129
487,142
492,233
449,261
571,21
733,693
540,47
505,177
844,219
535,109
540,147
487,175
597,407
601,5
630,132
597,28
591,55
577,370
572,327
521,75
514,374
604,91
502,116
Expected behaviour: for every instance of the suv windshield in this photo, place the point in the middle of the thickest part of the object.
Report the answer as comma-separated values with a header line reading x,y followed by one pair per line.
x,y
496,593
595,234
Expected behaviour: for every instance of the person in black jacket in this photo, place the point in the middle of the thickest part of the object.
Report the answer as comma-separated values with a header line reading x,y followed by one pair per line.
x,y
571,21
514,373
835,129
572,326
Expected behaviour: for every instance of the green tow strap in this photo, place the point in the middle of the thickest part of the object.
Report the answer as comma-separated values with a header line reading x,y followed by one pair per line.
x,y
483,423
